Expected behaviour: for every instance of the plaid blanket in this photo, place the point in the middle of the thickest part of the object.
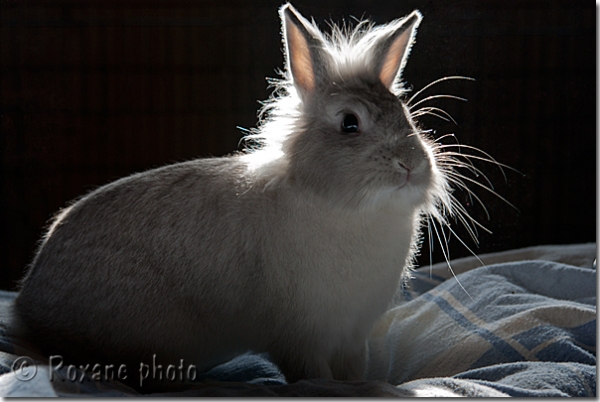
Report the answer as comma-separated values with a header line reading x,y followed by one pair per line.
x,y
523,325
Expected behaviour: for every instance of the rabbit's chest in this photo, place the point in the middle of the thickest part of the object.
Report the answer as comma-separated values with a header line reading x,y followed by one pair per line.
x,y
345,266
364,255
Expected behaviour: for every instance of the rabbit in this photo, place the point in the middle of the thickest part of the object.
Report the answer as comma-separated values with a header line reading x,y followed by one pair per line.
x,y
292,247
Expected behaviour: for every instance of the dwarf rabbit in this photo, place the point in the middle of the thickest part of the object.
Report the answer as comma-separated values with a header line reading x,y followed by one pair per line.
x,y
292,247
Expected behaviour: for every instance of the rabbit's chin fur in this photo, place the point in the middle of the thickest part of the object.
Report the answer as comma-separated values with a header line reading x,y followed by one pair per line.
x,y
294,249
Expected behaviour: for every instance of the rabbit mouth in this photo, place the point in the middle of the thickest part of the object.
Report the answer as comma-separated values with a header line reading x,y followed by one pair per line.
x,y
405,178
407,181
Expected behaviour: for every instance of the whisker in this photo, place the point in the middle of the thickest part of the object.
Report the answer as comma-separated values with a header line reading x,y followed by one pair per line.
x,y
451,159
467,247
471,230
429,218
490,160
453,77
448,160
488,189
456,179
448,261
446,241
444,136
440,148
431,114
461,210
467,147
430,110
460,185
469,156
470,168
437,97
464,213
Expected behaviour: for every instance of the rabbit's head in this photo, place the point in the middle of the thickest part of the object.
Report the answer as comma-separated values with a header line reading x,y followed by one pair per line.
x,y
336,125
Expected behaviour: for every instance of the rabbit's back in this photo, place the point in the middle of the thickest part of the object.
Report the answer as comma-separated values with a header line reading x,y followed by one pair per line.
x,y
157,252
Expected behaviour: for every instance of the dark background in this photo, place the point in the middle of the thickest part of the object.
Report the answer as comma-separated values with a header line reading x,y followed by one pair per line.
x,y
95,90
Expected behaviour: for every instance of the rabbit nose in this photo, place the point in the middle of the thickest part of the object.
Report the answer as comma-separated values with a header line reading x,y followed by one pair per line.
x,y
404,166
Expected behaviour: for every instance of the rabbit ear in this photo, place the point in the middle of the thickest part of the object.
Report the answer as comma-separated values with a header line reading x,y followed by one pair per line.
x,y
393,46
304,50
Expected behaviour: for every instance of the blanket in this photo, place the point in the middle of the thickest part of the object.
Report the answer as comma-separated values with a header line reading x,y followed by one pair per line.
x,y
516,323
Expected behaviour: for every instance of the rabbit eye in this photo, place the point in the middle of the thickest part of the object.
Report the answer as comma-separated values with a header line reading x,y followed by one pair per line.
x,y
350,124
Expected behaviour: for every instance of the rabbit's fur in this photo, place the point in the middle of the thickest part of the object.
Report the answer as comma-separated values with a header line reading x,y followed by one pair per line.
x,y
294,247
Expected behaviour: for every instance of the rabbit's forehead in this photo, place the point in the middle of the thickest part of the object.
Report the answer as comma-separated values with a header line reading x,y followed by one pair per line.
x,y
369,104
